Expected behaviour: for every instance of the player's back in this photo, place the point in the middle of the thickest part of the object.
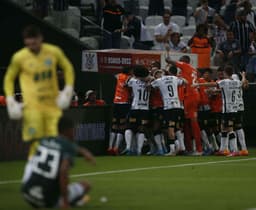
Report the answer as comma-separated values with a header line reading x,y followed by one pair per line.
x,y
140,93
229,89
38,75
122,93
41,176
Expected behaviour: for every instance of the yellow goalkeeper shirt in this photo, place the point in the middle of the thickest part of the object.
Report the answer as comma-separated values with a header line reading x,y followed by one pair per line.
x,y
38,75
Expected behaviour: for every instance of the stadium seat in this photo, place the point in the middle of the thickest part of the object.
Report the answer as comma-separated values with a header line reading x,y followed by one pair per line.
x,y
143,2
179,20
189,10
71,31
153,20
151,32
167,8
192,21
85,2
188,31
168,3
73,20
91,42
50,19
126,42
222,10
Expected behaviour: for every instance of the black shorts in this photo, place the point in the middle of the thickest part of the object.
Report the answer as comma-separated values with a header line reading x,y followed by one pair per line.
x,y
120,112
156,114
173,117
204,119
228,119
239,119
215,119
138,118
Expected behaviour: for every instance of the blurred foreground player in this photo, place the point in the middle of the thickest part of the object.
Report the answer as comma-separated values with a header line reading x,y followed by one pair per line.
x,y
121,108
45,182
191,103
36,67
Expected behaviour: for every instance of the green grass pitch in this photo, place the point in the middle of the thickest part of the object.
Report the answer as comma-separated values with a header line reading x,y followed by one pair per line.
x,y
179,183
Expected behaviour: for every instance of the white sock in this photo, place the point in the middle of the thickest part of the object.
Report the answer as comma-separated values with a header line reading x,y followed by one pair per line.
x,y
128,138
163,143
158,141
233,143
177,145
205,139
180,137
224,143
111,139
119,139
241,138
172,147
140,142
214,143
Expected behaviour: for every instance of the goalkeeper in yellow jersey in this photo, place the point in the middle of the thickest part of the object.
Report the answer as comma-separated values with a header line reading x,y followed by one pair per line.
x,y
35,66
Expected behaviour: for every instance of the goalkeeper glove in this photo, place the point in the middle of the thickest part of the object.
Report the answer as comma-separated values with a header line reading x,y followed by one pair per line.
x,y
14,108
65,96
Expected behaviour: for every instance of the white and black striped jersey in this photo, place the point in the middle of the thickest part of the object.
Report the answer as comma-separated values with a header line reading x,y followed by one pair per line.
x,y
229,90
168,86
240,100
140,93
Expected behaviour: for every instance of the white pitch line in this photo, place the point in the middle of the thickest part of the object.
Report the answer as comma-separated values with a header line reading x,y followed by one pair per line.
x,y
141,169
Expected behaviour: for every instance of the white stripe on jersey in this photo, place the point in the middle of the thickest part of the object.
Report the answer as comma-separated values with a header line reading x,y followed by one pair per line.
x,y
240,100
168,86
229,91
140,94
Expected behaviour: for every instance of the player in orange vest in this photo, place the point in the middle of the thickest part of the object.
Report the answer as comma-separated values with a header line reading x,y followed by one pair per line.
x,y
191,103
120,110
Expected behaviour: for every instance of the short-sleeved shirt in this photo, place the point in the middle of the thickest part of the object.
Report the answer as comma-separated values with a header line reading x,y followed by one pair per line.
x,y
42,174
229,90
177,48
162,29
169,88
189,73
242,33
140,93
228,46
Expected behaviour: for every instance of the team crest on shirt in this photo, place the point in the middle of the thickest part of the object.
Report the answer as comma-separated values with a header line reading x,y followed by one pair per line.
x,y
32,131
48,62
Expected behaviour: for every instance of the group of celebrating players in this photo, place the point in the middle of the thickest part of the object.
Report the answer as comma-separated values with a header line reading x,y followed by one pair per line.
x,y
176,112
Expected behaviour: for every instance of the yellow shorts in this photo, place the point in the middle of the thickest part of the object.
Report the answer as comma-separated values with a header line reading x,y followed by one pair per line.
x,y
38,124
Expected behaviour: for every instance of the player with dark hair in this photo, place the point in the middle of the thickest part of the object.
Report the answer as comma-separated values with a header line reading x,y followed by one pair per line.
x,y
172,110
191,102
120,110
36,67
138,115
229,89
45,182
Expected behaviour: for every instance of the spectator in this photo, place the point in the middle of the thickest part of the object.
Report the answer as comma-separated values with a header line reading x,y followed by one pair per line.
x,y
164,30
201,45
218,31
179,7
135,28
251,67
112,14
251,15
176,45
204,14
230,12
91,99
216,4
228,52
242,30
156,7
